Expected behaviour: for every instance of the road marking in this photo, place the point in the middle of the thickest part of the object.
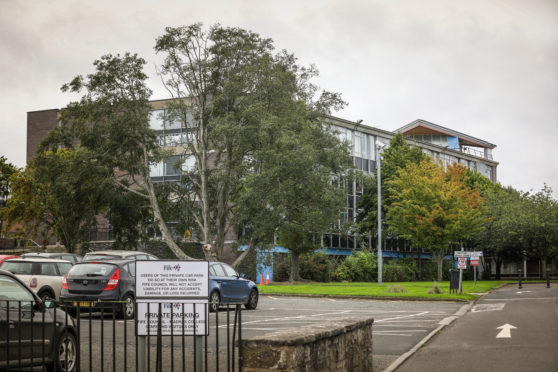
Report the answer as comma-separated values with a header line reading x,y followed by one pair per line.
x,y
520,292
505,331
332,300
522,299
488,307
402,317
273,298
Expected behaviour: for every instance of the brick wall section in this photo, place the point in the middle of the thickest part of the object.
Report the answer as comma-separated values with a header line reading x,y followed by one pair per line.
x,y
39,123
339,345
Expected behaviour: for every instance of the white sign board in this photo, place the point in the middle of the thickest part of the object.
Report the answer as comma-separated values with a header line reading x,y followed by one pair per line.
x,y
177,318
172,280
462,263
461,254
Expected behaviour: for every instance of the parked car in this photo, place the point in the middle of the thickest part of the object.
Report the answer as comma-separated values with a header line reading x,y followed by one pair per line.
x,y
38,330
88,284
116,255
4,257
43,275
226,286
72,257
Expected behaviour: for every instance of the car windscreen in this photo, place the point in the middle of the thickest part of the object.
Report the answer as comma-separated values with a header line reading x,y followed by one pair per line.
x,y
63,267
96,257
91,269
11,290
17,267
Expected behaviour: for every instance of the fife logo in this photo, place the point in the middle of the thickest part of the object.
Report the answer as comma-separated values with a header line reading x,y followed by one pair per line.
x,y
176,267
173,306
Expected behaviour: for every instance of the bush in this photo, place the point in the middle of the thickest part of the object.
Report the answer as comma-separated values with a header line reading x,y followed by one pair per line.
x,y
435,289
401,270
396,288
281,267
316,267
429,270
361,267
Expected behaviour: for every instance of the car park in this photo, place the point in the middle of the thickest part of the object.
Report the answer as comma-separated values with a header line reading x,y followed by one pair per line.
x,y
107,284
116,255
43,275
38,333
226,286
72,257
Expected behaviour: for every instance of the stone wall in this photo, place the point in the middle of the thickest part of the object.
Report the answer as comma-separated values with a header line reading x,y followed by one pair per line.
x,y
338,345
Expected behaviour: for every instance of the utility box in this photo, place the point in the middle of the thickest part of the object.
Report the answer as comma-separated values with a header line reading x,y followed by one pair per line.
x,y
454,281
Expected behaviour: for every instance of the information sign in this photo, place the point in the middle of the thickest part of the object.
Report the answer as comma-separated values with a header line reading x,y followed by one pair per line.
x,y
461,254
178,314
462,263
172,280
474,262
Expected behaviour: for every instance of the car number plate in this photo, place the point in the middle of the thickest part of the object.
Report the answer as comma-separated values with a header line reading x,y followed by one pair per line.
x,y
84,303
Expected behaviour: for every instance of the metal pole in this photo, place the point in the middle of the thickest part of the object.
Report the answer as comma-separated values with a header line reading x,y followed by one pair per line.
x,y
520,286
141,353
461,275
475,274
547,278
379,176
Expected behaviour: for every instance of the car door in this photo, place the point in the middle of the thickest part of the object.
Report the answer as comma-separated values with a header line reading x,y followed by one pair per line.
x,y
238,287
21,319
223,282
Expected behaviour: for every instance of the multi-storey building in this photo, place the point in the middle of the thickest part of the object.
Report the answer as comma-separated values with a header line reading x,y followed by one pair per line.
x,y
440,142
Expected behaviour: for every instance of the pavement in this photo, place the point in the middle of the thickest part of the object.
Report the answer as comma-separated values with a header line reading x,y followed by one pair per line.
x,y
510,329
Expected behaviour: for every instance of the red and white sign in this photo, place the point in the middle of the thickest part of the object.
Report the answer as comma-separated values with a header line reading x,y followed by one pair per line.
x,y
462,263
474,262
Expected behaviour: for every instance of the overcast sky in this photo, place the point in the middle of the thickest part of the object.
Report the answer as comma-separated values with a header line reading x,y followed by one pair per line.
x,y
487,68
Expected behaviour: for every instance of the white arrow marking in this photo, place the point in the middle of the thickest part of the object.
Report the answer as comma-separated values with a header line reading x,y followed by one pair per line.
x,y
505,331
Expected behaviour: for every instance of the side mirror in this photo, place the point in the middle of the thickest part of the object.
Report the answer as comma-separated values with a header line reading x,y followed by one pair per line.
x,y
241,275
49,304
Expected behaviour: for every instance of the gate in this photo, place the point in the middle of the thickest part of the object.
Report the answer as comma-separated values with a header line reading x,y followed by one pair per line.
x,y
46,338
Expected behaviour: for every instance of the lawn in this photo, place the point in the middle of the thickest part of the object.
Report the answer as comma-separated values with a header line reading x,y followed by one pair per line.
x,y
414,289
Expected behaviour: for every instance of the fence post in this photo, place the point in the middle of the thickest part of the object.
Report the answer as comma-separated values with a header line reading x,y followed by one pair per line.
x,y
141,353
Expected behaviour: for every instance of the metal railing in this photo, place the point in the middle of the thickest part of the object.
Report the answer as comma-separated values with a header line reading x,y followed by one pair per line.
x,y
50,339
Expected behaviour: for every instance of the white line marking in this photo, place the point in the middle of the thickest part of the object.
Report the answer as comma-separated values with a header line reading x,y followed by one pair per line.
x,y
401,317
488,307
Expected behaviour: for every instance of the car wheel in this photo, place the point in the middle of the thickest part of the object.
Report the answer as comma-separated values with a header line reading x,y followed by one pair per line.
x,y
214,301
127,310
46,295
252,300
65,357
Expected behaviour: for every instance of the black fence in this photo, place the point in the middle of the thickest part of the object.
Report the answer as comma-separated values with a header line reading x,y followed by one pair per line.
x,y
47,338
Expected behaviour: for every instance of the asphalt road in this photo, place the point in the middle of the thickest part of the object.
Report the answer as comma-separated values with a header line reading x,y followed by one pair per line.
x,y
509,330
398,326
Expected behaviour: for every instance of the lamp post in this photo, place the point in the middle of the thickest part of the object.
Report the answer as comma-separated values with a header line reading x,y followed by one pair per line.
x,y
379,147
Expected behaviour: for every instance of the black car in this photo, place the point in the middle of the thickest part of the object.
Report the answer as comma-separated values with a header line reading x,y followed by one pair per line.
x,y
108,284
72,257
24,319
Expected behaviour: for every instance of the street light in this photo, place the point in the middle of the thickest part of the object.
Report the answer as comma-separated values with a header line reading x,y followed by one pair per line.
x,y
379,147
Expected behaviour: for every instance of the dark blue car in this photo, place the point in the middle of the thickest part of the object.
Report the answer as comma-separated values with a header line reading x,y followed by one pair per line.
x,y
226,286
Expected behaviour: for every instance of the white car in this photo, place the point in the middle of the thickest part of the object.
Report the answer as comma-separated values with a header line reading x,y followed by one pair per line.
x,y
43,275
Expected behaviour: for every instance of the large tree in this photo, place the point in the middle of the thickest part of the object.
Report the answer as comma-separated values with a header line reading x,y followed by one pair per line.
x,y
432,207
62,190
112,120
6,171
243,99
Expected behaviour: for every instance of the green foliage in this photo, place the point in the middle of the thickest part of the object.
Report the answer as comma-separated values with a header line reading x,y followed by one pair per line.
x,y
435,289
360,267
316,266
429,270
6,171
396,288
281,267
401,270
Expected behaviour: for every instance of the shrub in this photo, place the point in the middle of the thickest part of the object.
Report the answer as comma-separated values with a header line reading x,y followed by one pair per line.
x,y
361,267
435,289
316,267
281,267
429,270
401,270
396,288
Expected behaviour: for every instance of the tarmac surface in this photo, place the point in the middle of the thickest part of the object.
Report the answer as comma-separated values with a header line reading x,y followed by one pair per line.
x,y
510,329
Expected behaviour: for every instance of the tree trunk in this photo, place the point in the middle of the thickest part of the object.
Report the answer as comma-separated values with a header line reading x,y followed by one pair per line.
x,y
440,262
498,262
294,267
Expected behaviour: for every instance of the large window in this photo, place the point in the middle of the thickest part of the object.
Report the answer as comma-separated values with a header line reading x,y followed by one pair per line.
x,y
172,130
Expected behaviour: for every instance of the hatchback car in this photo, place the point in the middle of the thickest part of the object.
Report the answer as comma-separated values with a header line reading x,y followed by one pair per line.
x,y
226,286
72,257
43,275
36,330
99,284
117,255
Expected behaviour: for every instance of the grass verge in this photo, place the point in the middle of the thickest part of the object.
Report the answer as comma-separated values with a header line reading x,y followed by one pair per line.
x,y
417,290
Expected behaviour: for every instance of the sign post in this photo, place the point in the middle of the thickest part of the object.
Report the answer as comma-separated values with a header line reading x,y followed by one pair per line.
x,y
461,264
181,288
